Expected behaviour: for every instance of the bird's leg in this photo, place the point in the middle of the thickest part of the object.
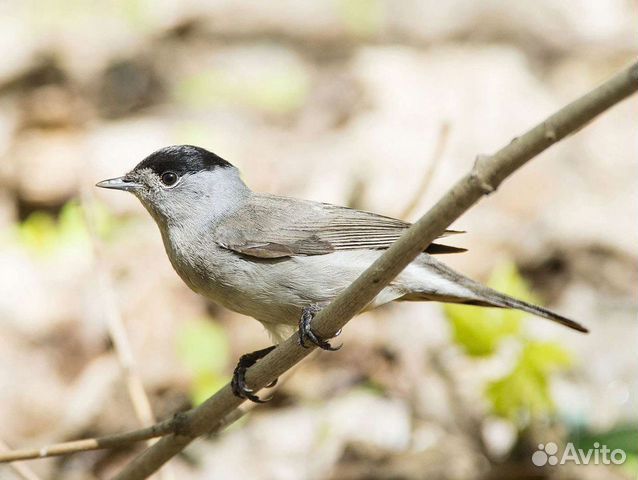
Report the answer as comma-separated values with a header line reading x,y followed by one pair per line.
x,y
238,383
306,333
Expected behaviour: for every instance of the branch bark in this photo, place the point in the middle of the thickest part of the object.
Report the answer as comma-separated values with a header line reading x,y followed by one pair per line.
x,y
117,440
21,469
484,178
110,441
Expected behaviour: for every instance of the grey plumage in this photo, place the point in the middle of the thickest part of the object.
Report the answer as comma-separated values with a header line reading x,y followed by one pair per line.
x,y
287,227
269,257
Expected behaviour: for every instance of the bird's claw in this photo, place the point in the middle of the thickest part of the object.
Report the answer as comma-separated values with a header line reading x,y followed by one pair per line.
x,y
238,382
240,389
307,335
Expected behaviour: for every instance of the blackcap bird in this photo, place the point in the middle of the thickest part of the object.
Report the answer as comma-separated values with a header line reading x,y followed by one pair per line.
x,y
279,259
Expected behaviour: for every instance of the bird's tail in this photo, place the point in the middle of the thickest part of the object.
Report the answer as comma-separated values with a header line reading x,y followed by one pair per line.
x,y
492,298
476,294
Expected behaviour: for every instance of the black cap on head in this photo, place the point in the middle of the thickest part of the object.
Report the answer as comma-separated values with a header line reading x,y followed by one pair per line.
x,y
182,159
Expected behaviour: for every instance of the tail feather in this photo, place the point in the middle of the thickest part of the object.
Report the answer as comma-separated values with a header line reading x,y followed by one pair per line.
x,y
477,294
497,299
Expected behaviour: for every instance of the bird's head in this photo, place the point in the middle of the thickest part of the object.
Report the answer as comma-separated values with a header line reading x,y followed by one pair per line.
x,y
178,182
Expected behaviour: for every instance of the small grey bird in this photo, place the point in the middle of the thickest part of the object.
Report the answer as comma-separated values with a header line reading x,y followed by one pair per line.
x,y
278,259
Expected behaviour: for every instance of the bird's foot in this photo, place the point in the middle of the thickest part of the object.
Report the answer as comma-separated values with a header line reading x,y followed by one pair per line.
x,y
307,335
238,383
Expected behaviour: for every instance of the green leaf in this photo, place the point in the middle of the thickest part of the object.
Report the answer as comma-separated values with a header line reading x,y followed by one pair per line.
x,y
206,384
621,436
203,347
545,357
44,235
524,393
38,233
106,225
479,330
72,229
631,464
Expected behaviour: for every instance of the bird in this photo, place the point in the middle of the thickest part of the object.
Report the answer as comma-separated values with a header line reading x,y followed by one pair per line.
x,y
281,259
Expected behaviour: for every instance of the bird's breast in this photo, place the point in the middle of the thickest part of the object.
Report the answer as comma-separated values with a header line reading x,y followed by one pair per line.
x,y
236,282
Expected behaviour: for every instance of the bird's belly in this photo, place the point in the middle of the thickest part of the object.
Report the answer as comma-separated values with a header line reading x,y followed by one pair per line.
x,y
274,291
248,287
260,303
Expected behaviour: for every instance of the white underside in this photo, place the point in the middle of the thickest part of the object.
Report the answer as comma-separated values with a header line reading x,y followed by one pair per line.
x,y
275,291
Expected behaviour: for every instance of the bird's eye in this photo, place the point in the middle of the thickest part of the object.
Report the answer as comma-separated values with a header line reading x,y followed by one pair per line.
x,y
169,178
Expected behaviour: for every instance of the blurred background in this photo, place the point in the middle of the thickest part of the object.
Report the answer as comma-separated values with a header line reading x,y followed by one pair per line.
x,y
374,104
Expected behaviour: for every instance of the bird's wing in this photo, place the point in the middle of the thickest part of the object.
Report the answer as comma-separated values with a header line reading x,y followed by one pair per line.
x,y
272,227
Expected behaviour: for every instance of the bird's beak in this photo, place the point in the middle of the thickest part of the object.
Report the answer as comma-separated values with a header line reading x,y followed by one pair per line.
x,y
119,183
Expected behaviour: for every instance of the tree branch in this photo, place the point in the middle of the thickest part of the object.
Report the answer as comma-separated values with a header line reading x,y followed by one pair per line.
x,y
115,324
118,440
109,441
485,177
21,469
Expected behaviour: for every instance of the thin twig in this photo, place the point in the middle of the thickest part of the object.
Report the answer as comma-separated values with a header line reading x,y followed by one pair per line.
x,y
484,178
432,167
117,440
115,324
107,441
21,469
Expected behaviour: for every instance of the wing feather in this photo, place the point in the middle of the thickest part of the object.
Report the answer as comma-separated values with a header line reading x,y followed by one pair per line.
x,y
269,226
